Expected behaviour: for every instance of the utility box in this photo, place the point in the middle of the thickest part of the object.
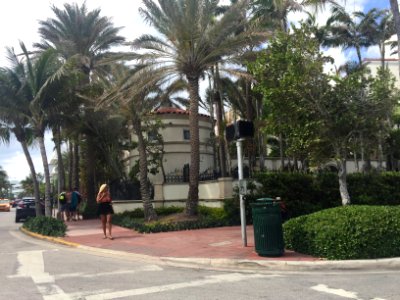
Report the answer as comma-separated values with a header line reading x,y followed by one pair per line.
x,y
239,130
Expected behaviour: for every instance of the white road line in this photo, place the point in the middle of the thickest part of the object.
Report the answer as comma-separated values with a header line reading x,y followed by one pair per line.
x,y
338,292
32,265
234,277
118,272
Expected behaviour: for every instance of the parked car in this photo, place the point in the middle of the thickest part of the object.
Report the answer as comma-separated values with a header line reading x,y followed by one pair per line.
x,y
15,202
26,208
4,205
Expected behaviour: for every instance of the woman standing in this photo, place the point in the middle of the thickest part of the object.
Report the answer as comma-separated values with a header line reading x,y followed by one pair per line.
x,y
105,209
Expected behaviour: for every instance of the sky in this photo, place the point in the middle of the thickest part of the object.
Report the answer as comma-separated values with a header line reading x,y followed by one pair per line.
x,y
19,22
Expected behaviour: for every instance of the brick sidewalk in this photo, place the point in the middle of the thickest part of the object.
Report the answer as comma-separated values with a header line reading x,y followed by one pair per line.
x,y
221,242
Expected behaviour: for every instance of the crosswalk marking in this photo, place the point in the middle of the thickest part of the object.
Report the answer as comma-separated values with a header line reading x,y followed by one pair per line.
x,y
225,278
146,268
31,264
338,292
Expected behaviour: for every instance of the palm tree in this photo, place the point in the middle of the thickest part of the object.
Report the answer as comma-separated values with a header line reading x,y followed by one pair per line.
x,y
191,42
4,183
83,38
344,31
380,27
274,13
135,108
15,113
394,5
42,74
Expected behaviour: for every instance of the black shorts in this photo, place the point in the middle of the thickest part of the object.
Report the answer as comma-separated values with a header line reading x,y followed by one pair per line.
x,y
105,208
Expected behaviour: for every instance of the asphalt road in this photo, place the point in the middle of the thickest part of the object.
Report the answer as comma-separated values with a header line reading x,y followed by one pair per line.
x,y
34,269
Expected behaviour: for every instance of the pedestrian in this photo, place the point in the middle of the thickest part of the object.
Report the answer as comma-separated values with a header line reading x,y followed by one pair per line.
x,y
105,210
62,205
68,206
73,207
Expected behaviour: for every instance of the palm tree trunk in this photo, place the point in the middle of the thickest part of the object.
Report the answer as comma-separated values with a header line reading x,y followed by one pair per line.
x,y
396,16
212,121
90,162
60,162
70,164
75,163
47,202
221,139
220,113
149,212
34,178
193,196
358,50
382,52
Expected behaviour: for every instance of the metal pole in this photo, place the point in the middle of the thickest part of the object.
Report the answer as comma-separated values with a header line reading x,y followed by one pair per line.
x,y
242,206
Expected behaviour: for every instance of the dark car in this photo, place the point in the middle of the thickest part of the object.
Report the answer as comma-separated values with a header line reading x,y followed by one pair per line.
x,y
26,208
15,202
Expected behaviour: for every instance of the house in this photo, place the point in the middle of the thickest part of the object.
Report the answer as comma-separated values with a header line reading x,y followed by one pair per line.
x,y
171,182
391,63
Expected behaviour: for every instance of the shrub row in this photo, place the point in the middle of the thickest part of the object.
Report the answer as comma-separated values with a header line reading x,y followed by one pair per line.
x,y
308,193
208,217
351,232
46,226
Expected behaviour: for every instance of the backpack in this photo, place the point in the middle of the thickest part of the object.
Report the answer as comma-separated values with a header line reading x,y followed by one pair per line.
x,y
62,198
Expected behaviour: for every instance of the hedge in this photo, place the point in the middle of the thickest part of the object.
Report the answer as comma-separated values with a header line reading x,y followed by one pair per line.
x,y
208,217
308,193
351,232
46,226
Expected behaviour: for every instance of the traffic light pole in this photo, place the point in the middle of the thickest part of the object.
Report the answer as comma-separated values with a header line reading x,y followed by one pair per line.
x,y
240,177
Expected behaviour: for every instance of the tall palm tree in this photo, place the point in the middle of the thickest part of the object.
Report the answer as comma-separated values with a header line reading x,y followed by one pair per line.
x,y
394,5
15,113
349,31
191,42
274,13
135,108
83,38
379,25
42,74
4,183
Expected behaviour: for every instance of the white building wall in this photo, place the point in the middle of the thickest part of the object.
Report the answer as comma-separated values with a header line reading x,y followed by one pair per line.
x,y
177,150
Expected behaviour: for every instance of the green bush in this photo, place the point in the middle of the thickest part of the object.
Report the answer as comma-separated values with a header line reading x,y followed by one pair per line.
x,y
307,193
302,193
46,226
375,188
351,232
164,211
208,217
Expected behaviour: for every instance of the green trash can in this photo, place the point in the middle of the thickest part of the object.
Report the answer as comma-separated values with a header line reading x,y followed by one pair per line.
x,y
267,222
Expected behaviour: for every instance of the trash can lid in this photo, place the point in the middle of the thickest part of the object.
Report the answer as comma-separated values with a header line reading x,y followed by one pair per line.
x,y
266,200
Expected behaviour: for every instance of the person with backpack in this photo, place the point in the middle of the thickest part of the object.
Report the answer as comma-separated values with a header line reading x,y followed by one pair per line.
x,y
62,205
73,207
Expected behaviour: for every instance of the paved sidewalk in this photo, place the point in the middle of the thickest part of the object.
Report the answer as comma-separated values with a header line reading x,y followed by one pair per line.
x,y
220,242
220,248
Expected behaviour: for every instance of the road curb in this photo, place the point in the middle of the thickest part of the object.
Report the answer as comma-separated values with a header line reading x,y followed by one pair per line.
x,y
48,238
385,264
